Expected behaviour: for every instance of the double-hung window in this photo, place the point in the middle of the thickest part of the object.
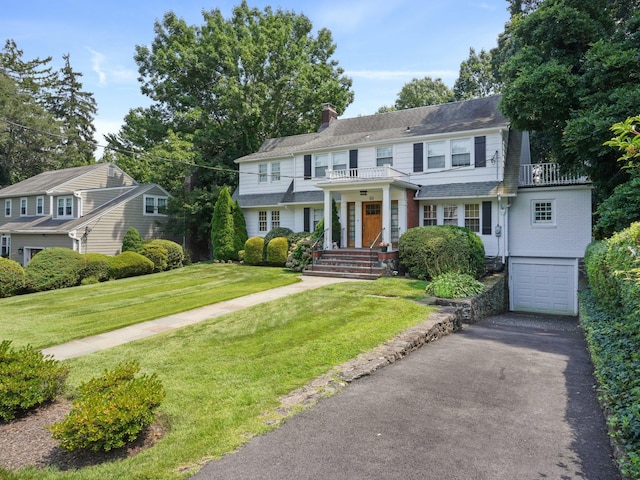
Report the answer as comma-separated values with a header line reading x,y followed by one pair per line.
x,y
472,216
65,207
321,165
275,172
384,156
340,160
7,207
430,216
39,205
5,246
435,155
318,214
262,172
155,205
461,153
450,215
262,221
275,219
24,206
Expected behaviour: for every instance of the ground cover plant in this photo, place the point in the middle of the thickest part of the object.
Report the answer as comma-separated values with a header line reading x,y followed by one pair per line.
x,y
223,377
57,316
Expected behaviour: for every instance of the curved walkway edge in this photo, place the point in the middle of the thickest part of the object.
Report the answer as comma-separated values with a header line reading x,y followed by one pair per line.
x,y
124,335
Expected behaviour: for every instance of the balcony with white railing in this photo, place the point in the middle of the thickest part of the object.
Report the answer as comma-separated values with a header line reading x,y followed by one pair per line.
x,y
547,174
386,172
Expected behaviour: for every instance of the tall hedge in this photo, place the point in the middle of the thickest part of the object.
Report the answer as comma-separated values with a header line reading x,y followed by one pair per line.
x,y
95,266
427,252
222,228
11,277
53,268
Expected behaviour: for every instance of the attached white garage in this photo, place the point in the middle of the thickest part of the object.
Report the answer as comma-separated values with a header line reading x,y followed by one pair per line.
x,y
544,285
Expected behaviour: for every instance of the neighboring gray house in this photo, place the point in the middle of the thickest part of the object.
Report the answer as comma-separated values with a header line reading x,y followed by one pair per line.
x,y
87,209
458,163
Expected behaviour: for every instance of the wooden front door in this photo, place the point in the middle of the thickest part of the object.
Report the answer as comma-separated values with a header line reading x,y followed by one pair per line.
x,y
371,222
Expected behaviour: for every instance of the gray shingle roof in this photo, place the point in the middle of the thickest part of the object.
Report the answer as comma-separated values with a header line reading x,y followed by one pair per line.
x,y
46,181
403,124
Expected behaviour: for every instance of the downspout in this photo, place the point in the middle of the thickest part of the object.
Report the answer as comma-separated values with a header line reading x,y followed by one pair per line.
x,y
504,209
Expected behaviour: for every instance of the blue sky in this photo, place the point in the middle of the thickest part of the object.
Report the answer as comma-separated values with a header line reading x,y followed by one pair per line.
x,y
381,44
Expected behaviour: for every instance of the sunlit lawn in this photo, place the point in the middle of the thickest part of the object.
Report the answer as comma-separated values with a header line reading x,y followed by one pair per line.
x,y
224,376
57,316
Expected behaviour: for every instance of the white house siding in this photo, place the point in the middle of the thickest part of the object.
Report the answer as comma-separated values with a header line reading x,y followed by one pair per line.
x,y
567,236
250,178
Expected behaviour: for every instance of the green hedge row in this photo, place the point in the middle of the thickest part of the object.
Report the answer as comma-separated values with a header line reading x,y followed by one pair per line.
x,y
610,315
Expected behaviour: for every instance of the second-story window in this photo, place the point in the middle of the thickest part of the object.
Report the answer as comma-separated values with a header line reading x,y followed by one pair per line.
x,y
39,205
384,156
321,165
262,172
340,160
435,155
275,172
155,205
23,207
7,207
65,206
461,153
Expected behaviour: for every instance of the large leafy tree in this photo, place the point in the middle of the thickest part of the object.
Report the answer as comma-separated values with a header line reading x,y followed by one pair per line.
x,y
571,69
229,84
421,92
476,78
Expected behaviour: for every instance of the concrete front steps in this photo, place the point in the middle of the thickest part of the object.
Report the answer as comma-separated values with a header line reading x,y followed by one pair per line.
x,y
361,264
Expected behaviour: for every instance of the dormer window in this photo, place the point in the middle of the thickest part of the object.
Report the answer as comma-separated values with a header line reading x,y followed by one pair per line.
x,y
65,207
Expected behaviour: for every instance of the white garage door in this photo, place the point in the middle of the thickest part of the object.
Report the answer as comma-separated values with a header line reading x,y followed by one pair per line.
x,y
544,285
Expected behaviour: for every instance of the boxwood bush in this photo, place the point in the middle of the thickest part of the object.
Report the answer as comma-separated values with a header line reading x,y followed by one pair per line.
x,y
427,252
110,411
157,254
95,266
27,379
53,268
175,252
253,251
11,277
129,264
277,252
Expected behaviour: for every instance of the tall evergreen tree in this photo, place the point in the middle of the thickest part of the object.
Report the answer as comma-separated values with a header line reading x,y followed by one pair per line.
x,y
222,228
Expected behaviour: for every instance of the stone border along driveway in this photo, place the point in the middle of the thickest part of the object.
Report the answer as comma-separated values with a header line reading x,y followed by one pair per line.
x,y
448,319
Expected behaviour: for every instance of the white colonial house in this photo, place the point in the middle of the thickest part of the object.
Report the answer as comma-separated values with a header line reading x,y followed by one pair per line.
x,y
458,163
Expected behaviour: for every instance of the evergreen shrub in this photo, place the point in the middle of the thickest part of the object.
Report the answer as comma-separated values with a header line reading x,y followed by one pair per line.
x,y
95,265
110,411
27,379
53,268
11,277
175,253
157,254
129,264
277,250
132,241
253,251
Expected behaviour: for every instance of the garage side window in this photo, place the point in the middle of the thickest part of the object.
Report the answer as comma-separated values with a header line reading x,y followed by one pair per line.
x,y
543,212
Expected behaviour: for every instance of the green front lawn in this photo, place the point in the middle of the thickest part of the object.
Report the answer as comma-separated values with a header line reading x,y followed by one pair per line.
x,y
224,376
58,316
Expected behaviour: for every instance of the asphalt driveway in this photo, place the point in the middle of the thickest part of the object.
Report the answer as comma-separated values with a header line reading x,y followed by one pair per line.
x,y
509,398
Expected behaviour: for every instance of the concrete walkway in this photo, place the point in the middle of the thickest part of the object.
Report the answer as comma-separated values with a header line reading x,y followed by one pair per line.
x,y
106,340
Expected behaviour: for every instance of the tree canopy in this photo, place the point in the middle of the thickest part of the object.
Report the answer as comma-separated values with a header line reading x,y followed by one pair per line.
x,y
421,92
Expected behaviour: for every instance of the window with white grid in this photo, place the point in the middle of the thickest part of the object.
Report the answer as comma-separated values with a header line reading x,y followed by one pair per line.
x,y
472,216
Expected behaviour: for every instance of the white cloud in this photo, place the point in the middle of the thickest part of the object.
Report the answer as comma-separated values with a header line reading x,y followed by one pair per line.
x,y
107,73
97,59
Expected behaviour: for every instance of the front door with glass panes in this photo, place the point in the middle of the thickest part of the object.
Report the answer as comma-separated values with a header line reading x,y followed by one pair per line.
x,y
371,222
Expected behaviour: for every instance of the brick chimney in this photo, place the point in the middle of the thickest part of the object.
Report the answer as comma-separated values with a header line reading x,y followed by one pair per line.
x,y
329,114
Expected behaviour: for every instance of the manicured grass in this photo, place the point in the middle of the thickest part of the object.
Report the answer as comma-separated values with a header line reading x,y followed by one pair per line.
x,y
224,376
50,318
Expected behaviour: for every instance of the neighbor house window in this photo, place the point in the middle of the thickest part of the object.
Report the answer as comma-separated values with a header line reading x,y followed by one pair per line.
x,y
65,206
450,215
472,216
435,155
318,214
384,156
155,205
430,216
262,172
39,205
321,165
7,208
23,207
275,172
460,153
543,212
275,219
5,246
340,160
262,221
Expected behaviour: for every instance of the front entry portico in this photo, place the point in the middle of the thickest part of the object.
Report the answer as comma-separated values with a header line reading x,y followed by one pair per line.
x,y
371,222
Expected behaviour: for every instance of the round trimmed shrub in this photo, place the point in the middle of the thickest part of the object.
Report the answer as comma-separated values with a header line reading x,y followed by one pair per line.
x,y
11,277
253,251
277,251
132,241
427,252
129,264
157,254
175,253
53,268
96,266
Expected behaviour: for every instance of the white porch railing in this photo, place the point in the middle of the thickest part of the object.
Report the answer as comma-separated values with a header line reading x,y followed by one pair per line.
x,y
369,173
541,174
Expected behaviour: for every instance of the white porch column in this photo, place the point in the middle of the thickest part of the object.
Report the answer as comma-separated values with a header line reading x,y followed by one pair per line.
x,y
386,214
327,221
343,223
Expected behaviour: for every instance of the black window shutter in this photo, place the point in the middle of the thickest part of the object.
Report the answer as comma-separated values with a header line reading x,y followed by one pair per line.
x,y
418,157
307,219
481,151
307,167
486,218
353,158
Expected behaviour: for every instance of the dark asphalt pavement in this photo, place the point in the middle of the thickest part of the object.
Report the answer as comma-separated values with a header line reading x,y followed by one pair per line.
x,y
509,398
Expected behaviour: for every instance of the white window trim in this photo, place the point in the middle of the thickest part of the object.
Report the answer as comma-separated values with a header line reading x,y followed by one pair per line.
x,y
24,200
40,198
315,165
263,172
392,154
156,212
9,203
546,223
444,154
6,241
276,173
64,215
